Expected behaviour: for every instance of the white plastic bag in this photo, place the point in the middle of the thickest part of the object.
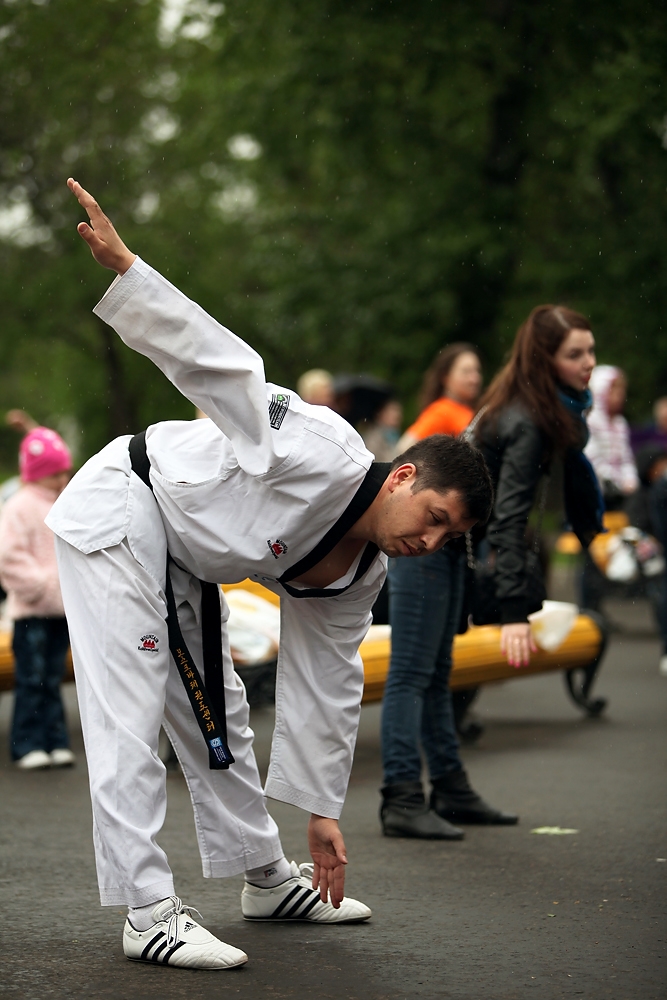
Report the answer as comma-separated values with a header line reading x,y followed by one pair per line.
x,y
551,626
622,566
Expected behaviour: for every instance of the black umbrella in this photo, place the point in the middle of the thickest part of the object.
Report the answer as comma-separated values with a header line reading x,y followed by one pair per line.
x,y
361,397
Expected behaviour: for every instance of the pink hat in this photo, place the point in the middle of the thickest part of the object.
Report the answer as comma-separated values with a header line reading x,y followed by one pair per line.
x,y
43,453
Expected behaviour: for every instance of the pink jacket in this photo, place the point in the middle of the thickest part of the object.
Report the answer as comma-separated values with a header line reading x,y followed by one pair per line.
x,y
28,569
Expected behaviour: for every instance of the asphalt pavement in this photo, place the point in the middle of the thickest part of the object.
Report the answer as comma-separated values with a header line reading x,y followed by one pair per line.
x,y
504,914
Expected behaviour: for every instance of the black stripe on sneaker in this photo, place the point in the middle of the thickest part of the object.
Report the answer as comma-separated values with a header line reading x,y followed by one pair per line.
x,y
160,934
314,901
290,895
307,894
179,944
158,951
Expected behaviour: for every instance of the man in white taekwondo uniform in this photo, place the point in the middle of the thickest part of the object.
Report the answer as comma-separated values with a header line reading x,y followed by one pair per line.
x,y
269,488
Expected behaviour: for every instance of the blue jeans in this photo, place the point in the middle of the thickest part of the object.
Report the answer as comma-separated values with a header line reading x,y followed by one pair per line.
x,y
40,646
425,596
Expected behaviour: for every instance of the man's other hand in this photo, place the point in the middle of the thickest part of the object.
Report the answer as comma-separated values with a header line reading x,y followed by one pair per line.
x,y
105,244
327,849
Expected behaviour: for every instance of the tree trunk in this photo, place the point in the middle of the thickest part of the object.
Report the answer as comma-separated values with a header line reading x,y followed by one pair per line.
x,y
486,275
122,404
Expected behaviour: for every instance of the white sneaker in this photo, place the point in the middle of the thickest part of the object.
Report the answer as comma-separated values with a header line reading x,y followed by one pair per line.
x,y
177,939
62,757
36,760
296,899
662,668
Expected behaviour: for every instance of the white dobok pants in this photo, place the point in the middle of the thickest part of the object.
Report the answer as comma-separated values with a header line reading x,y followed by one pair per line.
x,y
127,688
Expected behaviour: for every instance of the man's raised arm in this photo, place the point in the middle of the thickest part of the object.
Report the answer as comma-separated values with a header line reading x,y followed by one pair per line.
x,y
212,367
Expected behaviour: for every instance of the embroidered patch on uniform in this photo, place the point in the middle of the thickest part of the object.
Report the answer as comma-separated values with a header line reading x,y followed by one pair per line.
x,y
149,644
278,548
277,409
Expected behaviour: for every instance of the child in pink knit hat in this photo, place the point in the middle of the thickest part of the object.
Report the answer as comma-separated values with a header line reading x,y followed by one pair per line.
x,y
29,574
43,454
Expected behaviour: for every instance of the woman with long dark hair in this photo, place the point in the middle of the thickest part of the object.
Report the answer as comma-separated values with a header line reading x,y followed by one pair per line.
x,y
533,410
424,610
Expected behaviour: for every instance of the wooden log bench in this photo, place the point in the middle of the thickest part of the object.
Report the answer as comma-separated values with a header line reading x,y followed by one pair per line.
x,y
477,660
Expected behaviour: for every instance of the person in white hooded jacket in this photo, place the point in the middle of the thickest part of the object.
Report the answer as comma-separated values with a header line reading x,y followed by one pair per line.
x,y
270,488
608,447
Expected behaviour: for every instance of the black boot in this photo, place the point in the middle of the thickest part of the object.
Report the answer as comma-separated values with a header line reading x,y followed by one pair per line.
x,y
405,813
454,800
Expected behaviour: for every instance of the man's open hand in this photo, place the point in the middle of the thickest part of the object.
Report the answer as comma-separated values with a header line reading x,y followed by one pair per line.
x,y
105,244
327,849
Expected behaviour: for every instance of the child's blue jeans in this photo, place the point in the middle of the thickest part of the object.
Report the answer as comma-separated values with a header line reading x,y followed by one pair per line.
x,y
40,647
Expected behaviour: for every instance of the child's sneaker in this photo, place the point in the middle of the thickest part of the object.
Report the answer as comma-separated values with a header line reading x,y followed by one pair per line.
x,y
36,760
177,939
62,757
296,899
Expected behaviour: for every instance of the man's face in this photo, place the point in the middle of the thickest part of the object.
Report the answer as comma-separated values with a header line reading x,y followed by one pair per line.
x,y
416,523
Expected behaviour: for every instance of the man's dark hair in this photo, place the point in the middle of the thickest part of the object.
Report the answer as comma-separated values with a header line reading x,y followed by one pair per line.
x,y
445,463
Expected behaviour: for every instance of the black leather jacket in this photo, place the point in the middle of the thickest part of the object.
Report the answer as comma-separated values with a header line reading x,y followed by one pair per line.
x,y
517,454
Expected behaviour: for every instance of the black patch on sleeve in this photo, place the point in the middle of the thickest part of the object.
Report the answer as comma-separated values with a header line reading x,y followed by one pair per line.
x,y
278,407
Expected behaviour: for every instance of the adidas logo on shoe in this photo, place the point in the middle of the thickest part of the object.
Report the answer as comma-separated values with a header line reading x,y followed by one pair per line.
x,y
296,899
177,939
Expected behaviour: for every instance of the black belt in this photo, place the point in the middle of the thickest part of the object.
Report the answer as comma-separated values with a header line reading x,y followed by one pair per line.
x,y
208,701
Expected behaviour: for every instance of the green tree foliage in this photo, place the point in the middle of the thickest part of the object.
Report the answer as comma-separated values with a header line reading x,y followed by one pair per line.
x,y
79,84
343,184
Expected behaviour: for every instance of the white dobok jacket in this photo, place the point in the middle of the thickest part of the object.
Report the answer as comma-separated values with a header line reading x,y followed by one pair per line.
x,y
249,492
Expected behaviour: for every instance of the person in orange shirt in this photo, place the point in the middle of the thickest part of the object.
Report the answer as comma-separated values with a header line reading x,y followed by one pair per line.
x,y
425,598
449,392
